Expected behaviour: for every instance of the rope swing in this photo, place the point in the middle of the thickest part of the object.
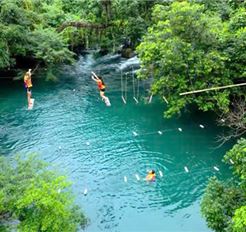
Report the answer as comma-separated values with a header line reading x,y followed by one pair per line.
x,y
126,86
152,76
150,98
122,88
133,87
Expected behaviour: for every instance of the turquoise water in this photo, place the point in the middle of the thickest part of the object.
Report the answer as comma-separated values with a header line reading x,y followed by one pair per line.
x,y
94,145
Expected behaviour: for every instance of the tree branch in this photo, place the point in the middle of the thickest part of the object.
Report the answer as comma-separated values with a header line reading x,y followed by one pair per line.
x,y
83,25
235,120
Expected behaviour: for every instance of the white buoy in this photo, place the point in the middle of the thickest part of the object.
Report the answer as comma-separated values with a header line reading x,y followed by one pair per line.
x,y
60,148
186,169
217,169
137,177
85,191
161,174
87,143
160,132
125,178
180,129
73,90
201,126
231,161
134,133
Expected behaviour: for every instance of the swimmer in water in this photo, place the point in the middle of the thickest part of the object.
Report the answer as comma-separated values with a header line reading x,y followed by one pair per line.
x,y
151,176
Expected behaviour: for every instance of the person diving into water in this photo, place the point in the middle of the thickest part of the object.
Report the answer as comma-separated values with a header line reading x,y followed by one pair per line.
x,y
101,86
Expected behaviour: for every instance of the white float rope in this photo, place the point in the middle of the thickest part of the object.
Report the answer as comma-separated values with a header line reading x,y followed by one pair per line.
x,y
160,132
138,177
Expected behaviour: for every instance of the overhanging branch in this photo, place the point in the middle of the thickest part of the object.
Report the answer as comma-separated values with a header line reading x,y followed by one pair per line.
x,y
94,26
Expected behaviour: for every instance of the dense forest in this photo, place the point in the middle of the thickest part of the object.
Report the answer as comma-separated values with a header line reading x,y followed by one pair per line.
x,y
182,46
50,31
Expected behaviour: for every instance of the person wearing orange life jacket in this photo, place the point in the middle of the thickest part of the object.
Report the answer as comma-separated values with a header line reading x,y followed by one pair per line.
x,y
101,85
28,85
151,176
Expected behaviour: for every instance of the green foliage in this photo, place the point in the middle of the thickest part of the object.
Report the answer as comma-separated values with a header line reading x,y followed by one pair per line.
x,y
37,197
219,203
53,13
128,20
223,204
238,155
239,220
181,52
28,29
50,75
219,6
235,44
133,18
4,53
49,45
190,48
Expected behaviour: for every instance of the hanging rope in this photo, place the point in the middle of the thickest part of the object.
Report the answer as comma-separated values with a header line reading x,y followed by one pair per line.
x,y
126,86
133,86
122,87
151,96
121,83
35,68
138,89
165,99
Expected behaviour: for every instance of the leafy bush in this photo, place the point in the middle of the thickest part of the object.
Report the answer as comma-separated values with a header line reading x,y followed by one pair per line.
x,y
224,204
35,196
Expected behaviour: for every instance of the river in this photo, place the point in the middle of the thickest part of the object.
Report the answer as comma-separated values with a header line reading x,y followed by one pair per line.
x,y
108,150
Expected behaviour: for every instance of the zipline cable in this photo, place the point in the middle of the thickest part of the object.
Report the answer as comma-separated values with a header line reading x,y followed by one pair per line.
x,y
213,88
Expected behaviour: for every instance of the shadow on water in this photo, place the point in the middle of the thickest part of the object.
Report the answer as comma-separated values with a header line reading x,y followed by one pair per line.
x,y
108,150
